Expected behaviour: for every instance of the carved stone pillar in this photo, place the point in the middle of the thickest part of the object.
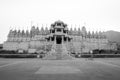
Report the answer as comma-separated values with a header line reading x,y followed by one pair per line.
x,y
50,39
55,30
55,39
67,39
62,30
62,39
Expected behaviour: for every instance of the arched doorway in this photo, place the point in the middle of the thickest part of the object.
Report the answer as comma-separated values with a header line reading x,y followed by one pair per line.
x,y
58,40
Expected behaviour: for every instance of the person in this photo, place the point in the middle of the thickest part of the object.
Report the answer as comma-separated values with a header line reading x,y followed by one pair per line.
x,y
38,56
79,55
91,57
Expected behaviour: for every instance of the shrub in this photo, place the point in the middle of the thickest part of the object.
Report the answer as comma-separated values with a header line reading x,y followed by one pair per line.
x,y
100,55
17,55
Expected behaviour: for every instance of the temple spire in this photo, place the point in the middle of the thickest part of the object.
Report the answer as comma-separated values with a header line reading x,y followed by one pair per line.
x,y
89,34
93,34
84,32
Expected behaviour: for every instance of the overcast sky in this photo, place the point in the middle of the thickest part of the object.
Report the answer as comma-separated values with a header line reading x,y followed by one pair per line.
x,y
96,15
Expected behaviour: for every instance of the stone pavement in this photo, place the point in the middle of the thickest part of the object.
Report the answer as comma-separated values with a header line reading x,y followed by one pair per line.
x,y
57,70
79,69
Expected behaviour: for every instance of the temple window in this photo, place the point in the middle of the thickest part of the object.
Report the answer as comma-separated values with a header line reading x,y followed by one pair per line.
x,y
58,24
59,30
52,38
64,31
53,31
64,38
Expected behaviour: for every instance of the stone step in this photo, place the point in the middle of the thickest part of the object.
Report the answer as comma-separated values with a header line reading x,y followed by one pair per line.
x,y
59,51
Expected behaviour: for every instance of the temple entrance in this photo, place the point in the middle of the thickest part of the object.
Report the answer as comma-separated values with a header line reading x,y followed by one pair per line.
x,y
58,40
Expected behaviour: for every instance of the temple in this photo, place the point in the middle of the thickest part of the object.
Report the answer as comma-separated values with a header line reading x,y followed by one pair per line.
x,y
57,42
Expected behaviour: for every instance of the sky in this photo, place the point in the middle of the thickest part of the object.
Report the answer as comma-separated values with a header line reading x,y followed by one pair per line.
x,y
96,15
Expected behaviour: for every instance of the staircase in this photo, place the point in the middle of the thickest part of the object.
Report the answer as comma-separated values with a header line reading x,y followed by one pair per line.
x,y
65,53
52,54
59,52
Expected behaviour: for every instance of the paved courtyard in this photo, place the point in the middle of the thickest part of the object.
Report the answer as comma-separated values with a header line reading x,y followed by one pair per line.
x,y
78,69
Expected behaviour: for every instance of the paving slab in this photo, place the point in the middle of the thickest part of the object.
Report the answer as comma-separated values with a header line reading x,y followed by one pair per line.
x,y
58,70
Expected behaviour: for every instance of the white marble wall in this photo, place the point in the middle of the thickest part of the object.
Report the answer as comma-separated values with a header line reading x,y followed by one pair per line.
x,y
36,42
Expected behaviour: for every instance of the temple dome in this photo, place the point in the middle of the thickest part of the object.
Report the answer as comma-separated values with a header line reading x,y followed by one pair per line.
x,y
59,23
